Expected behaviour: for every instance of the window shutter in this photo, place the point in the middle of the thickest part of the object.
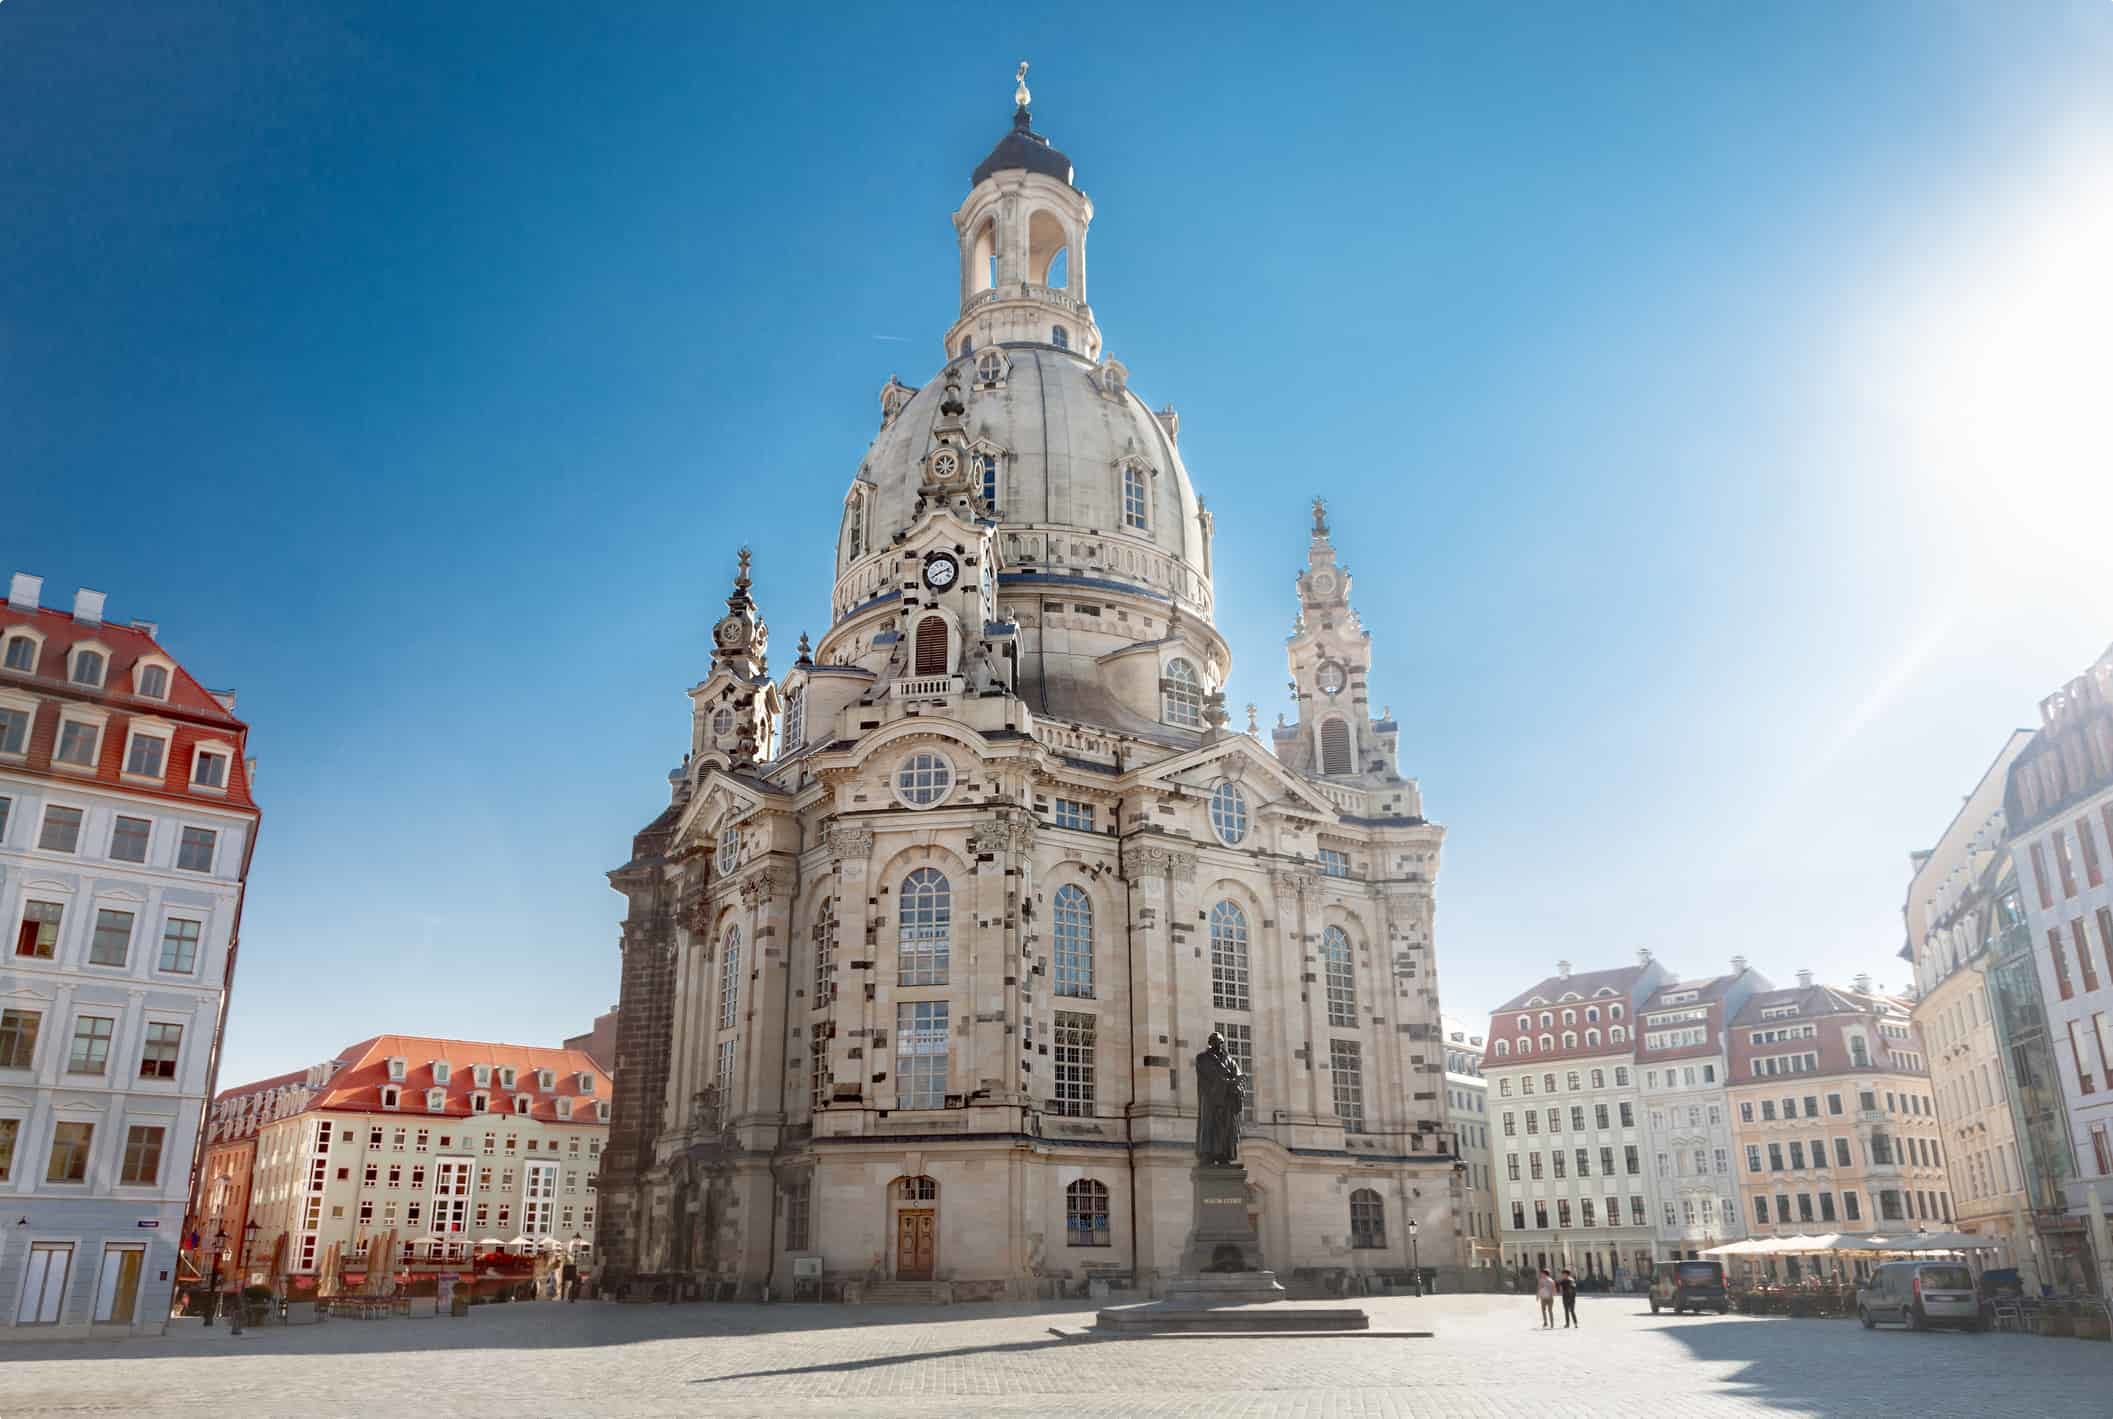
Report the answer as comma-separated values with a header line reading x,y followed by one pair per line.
x,y
1335,747
931,646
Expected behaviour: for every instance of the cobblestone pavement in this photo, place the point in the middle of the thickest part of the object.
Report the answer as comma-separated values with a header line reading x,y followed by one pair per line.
x,y
1488,1357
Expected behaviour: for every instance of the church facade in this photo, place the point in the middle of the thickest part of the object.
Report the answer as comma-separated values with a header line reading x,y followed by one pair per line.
x,y
920,952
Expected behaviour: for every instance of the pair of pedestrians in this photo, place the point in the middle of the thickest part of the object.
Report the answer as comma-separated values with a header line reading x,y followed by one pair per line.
x,y
1548,1289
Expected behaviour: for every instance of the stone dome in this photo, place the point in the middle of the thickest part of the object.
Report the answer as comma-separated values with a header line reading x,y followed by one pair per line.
x,y
1023,149
1065,432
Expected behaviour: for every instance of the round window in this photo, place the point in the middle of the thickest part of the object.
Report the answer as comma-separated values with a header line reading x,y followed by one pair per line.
x,y
729,848
1229,812
722,721
923,779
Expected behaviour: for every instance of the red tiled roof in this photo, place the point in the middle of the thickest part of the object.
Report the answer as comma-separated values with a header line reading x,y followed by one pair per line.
x,y
359,1083
192,711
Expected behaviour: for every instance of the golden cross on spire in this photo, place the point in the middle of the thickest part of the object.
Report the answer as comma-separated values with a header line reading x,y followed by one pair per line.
x,y
1020,95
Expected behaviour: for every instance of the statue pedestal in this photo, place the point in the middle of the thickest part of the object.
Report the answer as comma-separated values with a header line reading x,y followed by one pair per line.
x,y
1224,1256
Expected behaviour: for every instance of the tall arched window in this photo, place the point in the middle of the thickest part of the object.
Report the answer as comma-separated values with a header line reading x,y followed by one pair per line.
x,y
987,480
730,979
1073,927
1368,1220
855,526
926,921
1060,337
1228,957
1342,977
1086,1213
21,653
154,682
1134,501
931,646
1184,695
1335,746
795,722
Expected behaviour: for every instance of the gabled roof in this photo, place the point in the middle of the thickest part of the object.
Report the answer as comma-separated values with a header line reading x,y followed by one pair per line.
x,y
1706,992
357,1086
1585,985
1815,1001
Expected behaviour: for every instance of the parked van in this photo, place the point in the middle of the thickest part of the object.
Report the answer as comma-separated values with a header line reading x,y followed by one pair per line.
x,y
1689,1285
1920,1295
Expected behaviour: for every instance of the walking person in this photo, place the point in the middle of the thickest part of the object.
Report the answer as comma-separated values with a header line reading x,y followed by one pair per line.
x,y
1545,1290
1569,1289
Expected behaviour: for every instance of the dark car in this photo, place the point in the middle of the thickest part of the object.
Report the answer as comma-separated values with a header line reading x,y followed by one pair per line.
x,y
1689,1286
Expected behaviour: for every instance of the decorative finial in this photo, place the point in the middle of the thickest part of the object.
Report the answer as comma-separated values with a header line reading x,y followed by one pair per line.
x,y
1214,710
1020,95
1252,726
806,656
741,576
1320,517
951,405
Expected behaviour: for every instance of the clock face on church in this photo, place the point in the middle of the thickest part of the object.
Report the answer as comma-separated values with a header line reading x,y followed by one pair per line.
x,y
945,465
940,571
1322,582
730,631
1331,678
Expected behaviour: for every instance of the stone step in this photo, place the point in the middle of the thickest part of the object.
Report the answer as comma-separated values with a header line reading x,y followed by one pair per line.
x,y
1159,1317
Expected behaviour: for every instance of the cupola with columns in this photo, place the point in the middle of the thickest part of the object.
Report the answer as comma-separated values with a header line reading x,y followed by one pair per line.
x,y
734,709
1330,656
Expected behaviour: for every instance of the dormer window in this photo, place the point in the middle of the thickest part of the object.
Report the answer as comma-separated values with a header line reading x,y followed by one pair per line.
x,y
523,1104
506,1076
601,1110
396,1069
1182,690
390,1096
987,481
1137,501
564,1108
855,525
480,1103
546,1080
80,742
209,769
481,1075
151,682
147,752
86,666
436,1100
22,649
440,1071
991,368
586,1082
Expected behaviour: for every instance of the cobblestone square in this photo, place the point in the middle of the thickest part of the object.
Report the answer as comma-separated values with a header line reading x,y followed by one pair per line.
x,y
1487,1357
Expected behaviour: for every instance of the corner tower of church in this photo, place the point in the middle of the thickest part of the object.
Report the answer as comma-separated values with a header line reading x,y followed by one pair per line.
x,y
919,949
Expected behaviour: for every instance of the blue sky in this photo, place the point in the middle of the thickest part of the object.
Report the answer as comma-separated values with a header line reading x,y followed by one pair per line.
x,y
1704,395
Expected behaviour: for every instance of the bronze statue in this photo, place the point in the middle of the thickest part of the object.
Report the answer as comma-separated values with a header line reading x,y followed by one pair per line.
x,y
1221,1090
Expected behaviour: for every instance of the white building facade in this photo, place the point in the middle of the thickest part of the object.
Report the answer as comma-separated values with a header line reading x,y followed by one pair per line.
x,y
126,826
1683,1073
1467,1113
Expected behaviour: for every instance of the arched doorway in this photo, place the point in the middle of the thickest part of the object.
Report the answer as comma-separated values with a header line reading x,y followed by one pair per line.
x,y
914,1228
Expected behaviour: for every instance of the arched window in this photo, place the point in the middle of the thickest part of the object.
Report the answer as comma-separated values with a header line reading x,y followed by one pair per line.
x,y
729,848
1342,977
1184,695
1503,1048
1547,1043
1368,1220
1616,1034
1526,1044
1335,746
1058,276
931,646
1073,928
1591,1038
1526,1022
1135,502
968,347
1569,1039
1592,1014
987,480
87,667
918,1189
730,979
1228,957
153,682
1229,812
925,923
22,654
855,526
1570,1017
1086,1214
1060,337
1547,1018
795,722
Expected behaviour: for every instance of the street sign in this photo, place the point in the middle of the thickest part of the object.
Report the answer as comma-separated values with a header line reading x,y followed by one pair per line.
x,y
149,1222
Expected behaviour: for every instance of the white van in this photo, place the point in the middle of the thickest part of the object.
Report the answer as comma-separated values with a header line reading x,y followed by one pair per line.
x,y
1920,1295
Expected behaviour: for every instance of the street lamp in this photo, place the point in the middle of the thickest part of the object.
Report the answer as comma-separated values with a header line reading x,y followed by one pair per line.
x,y
1414,1270
212,1287
249,1237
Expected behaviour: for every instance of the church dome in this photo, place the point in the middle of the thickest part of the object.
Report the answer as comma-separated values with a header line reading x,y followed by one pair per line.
x,y
1023,149
1089,484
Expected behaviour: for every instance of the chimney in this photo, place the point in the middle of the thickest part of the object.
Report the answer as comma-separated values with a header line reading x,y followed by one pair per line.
x,y
1804,980
225,699
1738,965
1643,956
1862,984
1562,970
23,591
88,607
149,629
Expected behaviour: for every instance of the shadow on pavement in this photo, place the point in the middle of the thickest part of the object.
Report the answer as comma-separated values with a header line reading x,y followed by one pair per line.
x,y
871,1362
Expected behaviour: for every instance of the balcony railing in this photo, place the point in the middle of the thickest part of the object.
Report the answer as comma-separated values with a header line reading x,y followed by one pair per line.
x,y
925,687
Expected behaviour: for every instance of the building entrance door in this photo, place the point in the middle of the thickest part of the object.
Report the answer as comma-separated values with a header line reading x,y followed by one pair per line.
x,y
915,1231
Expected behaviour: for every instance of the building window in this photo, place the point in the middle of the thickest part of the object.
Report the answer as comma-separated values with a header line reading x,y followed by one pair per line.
x,y
924,779
1072,1057
931,646
1240,1044
1072,927
797,1198
729,849
795,723
722,1080
1134,499
1342,977
112,942
14,725
1334,863
144,755
824,954
1074,815
164,1043
1368,1220
91,1045
1228,957
1347,1078
1086,1214
87,667
62,830
18,1038
1183,692
925,925
22,654
1335,746
1060,337
819,1077
194,851
69,1153
153,682
208,769
77,743
730,979
987,480
1229,812
128,839
179,945
142,1164
920,1054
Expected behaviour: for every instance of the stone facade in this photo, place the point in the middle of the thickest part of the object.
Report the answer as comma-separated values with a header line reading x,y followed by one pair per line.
x,y
918,956
1467,1117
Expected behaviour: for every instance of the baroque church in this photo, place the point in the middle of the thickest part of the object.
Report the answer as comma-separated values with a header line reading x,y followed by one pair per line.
x,y
921,949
